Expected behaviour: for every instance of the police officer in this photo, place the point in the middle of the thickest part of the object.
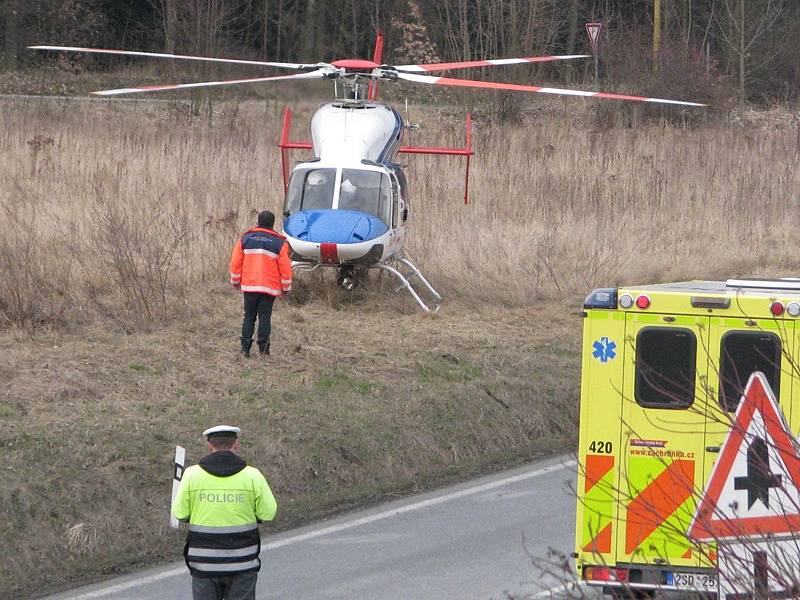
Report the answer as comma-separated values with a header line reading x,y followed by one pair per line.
x,y
223,500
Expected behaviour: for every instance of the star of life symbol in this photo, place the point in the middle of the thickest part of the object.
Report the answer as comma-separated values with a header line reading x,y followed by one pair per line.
x,y
604,350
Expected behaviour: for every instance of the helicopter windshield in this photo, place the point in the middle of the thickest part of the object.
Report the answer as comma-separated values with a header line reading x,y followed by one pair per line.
x,y
366,191
310,190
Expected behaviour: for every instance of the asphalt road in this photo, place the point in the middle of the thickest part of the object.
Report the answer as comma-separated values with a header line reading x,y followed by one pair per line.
x,y
462,542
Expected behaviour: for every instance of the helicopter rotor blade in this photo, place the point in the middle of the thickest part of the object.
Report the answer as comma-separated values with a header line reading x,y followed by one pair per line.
x,y
319,74
174,56
469,83
494,62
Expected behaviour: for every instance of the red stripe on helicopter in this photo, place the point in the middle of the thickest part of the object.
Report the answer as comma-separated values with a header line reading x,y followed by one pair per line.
x,y
328,253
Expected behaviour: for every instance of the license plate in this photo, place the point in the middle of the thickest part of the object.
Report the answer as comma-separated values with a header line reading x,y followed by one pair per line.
x,y
692,581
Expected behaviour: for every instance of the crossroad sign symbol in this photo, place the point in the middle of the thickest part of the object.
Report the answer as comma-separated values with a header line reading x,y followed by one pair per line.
x,y
754,488
594,29
759,480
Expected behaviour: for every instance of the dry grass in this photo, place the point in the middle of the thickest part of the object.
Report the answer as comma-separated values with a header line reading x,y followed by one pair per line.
x,y
102,198
560,208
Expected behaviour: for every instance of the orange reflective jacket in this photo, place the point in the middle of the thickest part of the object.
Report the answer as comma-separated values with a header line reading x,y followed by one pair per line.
x,y
260,262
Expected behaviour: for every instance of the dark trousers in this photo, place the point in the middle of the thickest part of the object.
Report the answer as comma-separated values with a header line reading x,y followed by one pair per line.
x,y
227,587
257,305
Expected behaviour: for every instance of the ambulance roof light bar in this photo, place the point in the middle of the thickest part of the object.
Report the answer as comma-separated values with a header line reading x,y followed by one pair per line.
x,y
787,283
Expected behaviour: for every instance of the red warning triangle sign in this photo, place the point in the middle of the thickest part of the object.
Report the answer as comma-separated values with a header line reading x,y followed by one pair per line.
x,y
593,29
754,488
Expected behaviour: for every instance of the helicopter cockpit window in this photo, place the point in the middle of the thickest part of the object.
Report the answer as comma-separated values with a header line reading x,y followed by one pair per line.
x,y
310,190
366,191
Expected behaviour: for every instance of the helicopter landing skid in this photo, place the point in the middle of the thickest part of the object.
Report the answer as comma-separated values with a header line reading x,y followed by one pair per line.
x,y
406,283
404,278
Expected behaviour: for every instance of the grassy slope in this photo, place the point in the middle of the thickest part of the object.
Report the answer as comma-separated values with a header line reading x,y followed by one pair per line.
x,y
356,403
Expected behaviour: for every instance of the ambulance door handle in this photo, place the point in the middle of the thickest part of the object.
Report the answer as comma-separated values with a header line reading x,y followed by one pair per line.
x,y
712,448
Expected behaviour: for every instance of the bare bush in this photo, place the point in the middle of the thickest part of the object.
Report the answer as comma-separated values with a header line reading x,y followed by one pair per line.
x,y
135,248
683,72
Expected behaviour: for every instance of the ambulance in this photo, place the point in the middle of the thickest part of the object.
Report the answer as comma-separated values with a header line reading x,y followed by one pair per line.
x,y
663,370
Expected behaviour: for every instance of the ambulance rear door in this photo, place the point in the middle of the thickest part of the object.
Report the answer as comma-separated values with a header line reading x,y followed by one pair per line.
x,y
740,346
663,425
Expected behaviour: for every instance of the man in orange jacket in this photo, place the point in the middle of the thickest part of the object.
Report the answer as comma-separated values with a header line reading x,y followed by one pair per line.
x,y
262,270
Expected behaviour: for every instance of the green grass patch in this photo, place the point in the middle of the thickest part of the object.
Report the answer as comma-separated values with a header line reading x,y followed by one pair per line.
x,y
448,367
339,380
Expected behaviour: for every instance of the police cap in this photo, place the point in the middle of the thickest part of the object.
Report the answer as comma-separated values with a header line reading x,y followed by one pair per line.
x,y
220,430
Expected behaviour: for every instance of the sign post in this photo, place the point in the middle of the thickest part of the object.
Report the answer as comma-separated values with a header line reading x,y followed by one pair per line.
x,y
594,29
751,503
177,475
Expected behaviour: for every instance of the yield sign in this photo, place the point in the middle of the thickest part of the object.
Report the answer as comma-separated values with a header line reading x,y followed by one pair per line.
x,y
754,488
593,29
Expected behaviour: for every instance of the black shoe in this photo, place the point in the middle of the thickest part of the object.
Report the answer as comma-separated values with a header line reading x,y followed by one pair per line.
x,y
245,352
264,350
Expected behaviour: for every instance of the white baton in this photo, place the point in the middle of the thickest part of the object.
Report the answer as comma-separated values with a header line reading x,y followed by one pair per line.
x,y
177,474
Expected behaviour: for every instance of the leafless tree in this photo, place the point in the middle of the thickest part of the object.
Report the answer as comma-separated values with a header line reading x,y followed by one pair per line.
x,y
742,23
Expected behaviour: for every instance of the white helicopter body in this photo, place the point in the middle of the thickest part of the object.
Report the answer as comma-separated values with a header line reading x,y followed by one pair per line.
x,y
348,206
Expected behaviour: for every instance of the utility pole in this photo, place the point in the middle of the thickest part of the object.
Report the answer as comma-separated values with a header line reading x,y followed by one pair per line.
x,y
656,33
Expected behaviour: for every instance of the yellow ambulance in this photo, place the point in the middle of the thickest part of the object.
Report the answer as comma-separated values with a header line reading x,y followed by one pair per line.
x,y
663,369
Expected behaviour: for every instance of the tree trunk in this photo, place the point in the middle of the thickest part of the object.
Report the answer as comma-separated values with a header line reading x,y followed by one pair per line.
x,y
170,25
11,45
463,13
573,26
265,41
656,35
309,43
687,23
742,50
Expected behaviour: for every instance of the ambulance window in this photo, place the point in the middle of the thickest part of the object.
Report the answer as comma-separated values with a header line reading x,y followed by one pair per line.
x,y
741,354
665,367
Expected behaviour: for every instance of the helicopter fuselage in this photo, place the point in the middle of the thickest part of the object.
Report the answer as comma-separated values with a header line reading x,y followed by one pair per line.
x,y
348,205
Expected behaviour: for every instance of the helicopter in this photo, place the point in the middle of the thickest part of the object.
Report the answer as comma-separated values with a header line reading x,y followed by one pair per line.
x,y
348,207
